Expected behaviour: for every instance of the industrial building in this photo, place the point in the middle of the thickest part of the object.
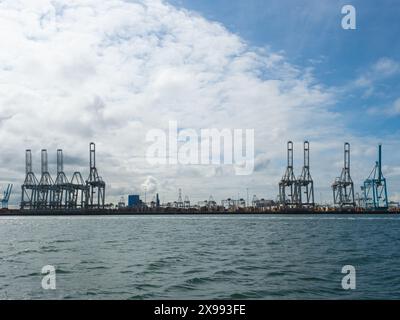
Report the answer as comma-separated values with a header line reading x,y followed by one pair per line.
x,y
134,200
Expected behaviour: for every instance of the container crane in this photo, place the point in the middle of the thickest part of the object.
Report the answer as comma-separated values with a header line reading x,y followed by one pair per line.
x,y
6,196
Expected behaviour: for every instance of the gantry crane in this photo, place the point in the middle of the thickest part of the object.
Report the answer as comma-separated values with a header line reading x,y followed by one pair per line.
x,y
6,196
305,183
288,191
343,186
374,188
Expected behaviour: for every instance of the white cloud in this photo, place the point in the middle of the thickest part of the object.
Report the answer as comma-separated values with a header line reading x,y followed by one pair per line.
x,y
386,67
150,184
396,106
389,111
392,171
107,71
382,69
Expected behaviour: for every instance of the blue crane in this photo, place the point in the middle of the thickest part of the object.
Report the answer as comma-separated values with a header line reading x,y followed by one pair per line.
x,y
6,196
374,188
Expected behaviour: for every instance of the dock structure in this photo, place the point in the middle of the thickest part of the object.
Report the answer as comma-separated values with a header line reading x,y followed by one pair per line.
x,y
29,187
343,186
80,191
62,194
6,196
288,187
45,187
296,196
97,187
374,188
305,183
62,188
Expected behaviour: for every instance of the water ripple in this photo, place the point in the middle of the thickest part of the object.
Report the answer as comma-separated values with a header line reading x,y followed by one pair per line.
x,y
206,257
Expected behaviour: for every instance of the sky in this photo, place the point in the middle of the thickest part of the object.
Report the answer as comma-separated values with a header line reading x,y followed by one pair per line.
x,y
72,72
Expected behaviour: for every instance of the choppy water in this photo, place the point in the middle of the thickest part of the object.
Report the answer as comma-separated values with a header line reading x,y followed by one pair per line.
x,y
185,257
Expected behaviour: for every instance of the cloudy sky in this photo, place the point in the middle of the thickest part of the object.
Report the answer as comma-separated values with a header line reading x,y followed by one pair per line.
x,y
72,72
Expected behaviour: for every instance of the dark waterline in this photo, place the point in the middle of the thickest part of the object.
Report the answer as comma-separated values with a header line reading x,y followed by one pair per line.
x,y
184,257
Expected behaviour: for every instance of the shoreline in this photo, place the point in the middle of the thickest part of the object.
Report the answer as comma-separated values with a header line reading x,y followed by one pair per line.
x,y
124,212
